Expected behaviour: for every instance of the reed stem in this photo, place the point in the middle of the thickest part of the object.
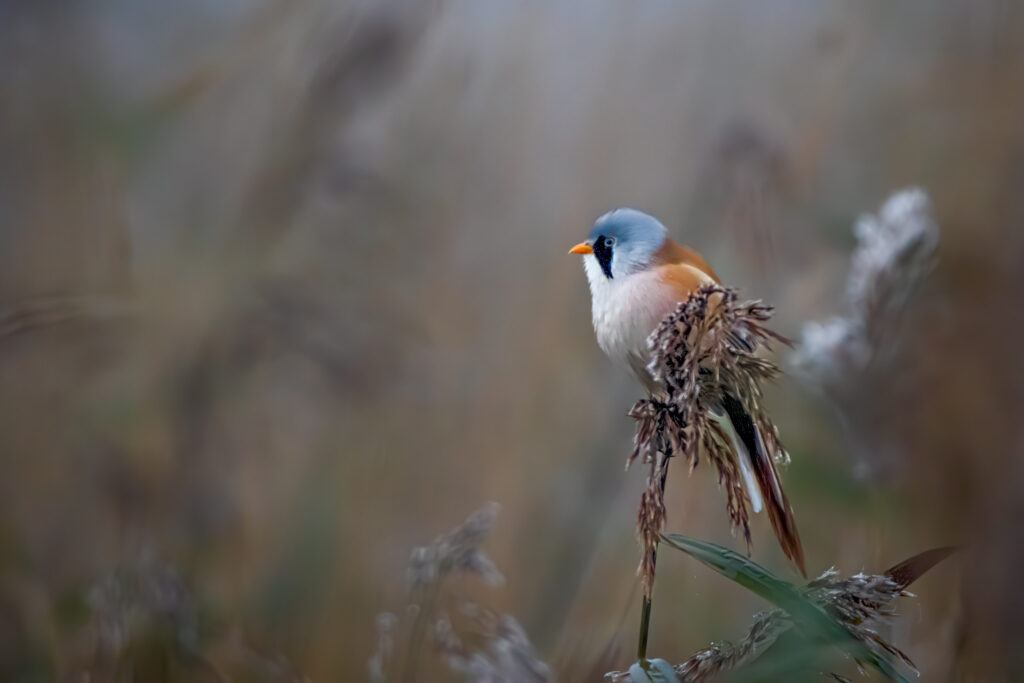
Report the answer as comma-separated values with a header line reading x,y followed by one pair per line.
x,y
416,636
645,625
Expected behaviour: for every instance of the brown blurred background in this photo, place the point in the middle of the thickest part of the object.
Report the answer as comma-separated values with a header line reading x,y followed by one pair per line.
x,y
284,293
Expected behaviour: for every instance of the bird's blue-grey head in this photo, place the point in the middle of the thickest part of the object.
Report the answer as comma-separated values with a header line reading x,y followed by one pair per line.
x,y
623,242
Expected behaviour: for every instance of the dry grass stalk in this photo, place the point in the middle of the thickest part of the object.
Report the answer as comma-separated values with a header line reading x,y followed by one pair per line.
x,y
719,658
457,551
498,649
508,655
387,624
705,350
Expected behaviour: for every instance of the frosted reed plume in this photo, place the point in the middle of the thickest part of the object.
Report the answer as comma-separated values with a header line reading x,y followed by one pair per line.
x,y
141,616
457,552
895,250
507,655
495,649
132,600
704,350
845,357
387,624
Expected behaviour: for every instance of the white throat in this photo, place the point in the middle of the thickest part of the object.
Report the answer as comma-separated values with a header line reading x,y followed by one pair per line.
x,y
626,310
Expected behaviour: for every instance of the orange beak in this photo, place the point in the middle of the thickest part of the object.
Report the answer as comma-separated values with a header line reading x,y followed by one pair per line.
x,y
581,248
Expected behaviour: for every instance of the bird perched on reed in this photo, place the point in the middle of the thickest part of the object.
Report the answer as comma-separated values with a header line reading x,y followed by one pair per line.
x,y
639,275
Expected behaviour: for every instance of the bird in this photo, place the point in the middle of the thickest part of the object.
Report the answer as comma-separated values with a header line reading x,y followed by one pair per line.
x,y
638,275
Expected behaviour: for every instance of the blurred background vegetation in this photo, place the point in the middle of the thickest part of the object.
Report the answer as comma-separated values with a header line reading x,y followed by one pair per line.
x,y
284,294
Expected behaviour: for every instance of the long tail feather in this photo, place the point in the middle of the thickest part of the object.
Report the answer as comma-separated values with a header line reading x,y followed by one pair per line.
x,y
779,511
746,463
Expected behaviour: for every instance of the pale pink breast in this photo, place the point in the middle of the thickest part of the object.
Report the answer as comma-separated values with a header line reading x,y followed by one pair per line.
x,y
627,311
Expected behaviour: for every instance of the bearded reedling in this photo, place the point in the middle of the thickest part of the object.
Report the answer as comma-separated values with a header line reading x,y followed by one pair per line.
x,y
638,276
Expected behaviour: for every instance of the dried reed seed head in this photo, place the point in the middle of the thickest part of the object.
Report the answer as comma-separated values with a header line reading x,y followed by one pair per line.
x,y
508,655
894,248
708,345
857,360
650,523
457,551
131,600
446,641
703,350
719,658
859,602
856,602
512,649
860,598
658,436
895,252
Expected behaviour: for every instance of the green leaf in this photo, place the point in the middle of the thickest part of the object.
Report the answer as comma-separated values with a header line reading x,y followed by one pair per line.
x,y
807,615
742,570
652,671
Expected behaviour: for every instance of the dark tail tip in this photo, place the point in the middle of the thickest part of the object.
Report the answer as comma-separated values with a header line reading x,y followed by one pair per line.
x,y
779,511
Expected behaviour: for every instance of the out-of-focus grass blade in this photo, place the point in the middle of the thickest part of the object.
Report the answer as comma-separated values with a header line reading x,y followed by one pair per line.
x,y
652,671
808,615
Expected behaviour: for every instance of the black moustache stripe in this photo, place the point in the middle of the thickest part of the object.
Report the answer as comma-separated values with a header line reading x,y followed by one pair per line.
x,y
604,255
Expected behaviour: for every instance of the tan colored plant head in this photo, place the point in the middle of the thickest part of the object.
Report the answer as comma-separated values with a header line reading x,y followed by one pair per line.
x,y
703,352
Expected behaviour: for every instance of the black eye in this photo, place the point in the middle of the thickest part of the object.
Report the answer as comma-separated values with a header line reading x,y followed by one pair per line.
x,y
609,241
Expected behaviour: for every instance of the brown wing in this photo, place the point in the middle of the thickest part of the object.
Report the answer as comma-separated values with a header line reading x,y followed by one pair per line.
x,y
683,279
673,253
